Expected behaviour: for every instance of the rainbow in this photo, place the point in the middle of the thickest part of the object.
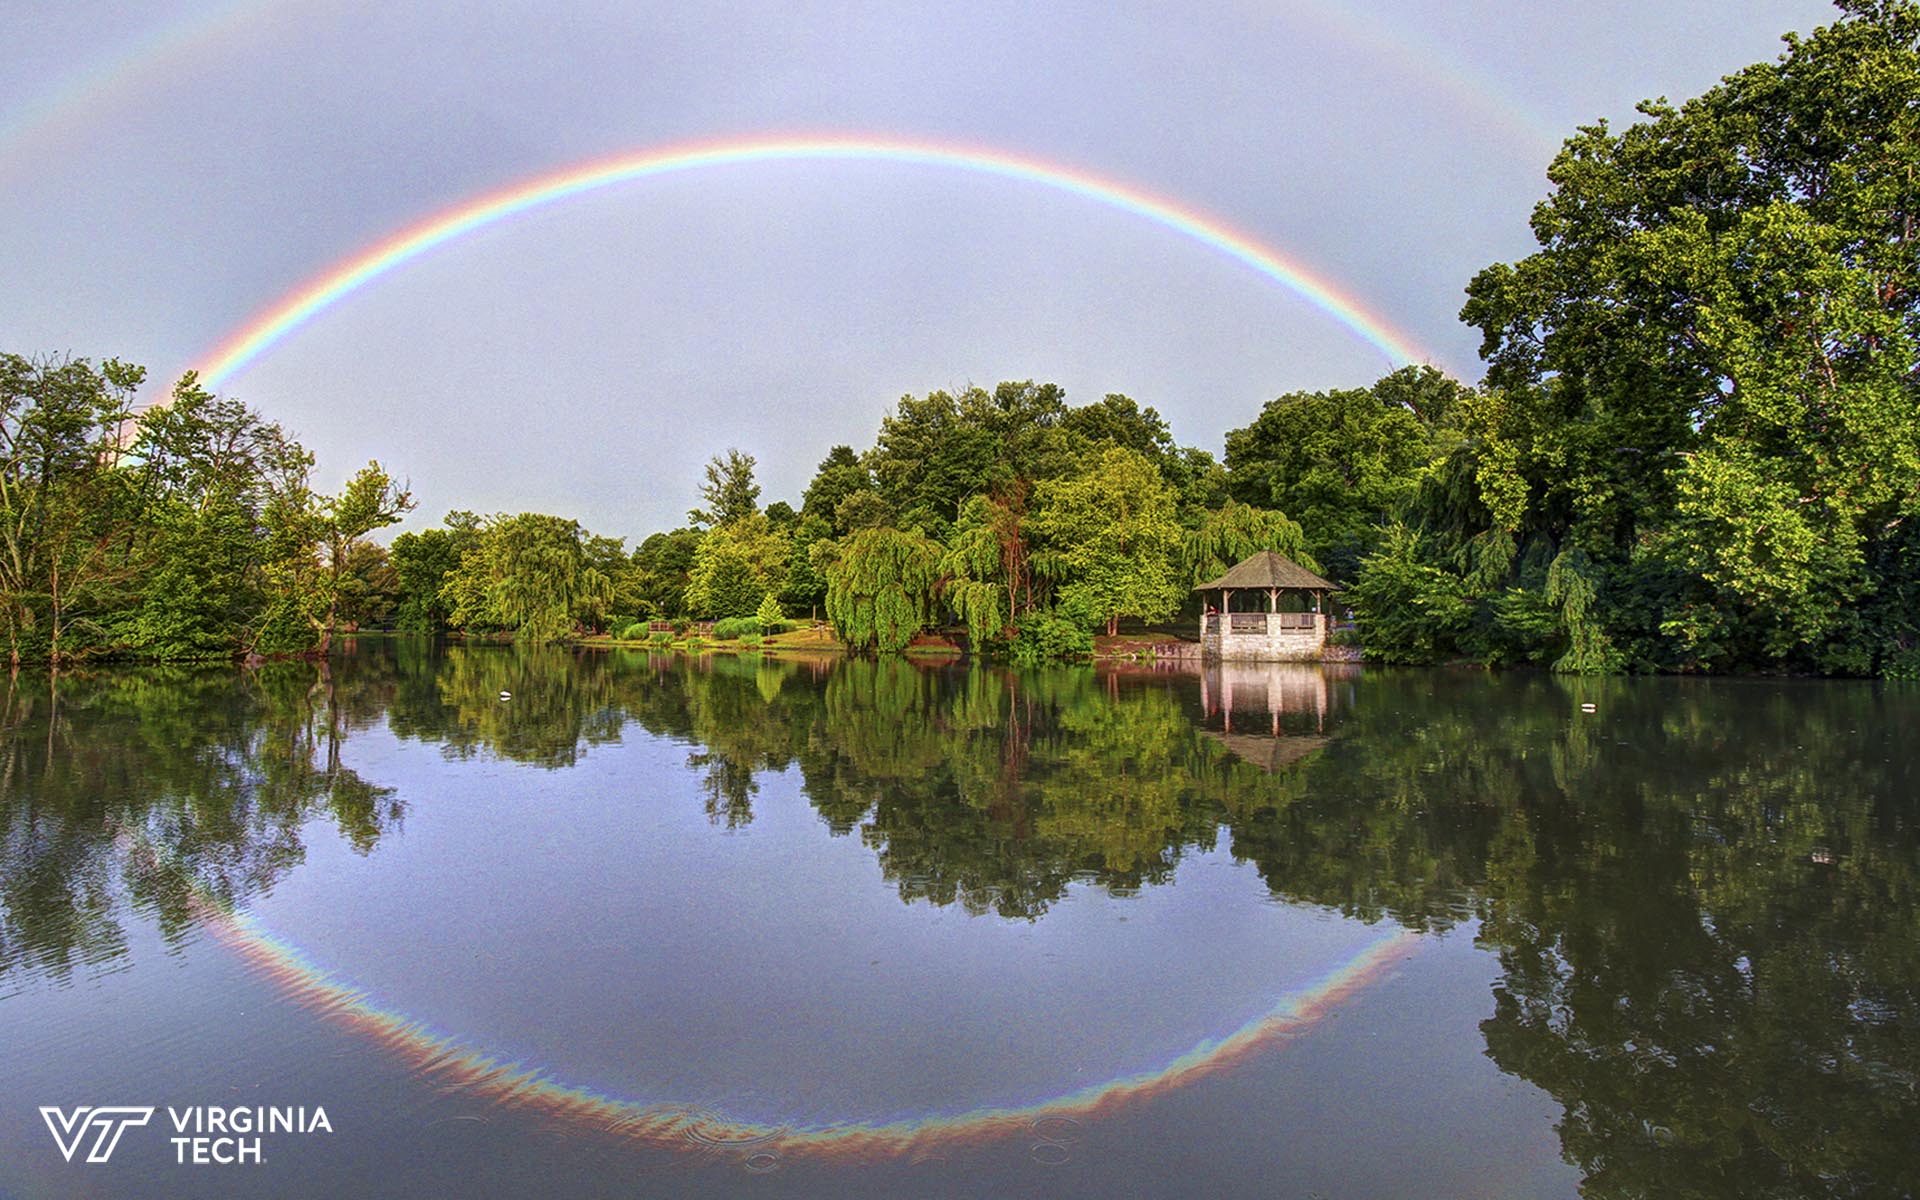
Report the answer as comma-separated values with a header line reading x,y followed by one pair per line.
x,y
454,1066
165,53
275,323
158,57
1443,67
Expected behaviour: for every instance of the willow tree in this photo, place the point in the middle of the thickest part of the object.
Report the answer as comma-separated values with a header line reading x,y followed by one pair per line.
x,y
529,573
975,586
880,586
1234,532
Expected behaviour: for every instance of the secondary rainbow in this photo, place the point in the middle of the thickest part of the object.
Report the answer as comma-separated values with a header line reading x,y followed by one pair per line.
x,y
275,323
169,54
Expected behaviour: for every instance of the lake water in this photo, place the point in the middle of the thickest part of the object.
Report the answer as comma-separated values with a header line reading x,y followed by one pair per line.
x,y
603,923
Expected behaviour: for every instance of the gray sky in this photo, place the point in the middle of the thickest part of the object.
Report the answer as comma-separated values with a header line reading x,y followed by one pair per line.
x,y
169,169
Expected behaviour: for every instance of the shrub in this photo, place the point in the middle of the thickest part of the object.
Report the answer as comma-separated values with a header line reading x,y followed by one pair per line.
x,y
749,639
634,632
728,628
1048,637
696,642
661,638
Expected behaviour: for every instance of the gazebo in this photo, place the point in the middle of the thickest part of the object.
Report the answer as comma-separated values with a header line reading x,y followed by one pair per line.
x,y
1283,613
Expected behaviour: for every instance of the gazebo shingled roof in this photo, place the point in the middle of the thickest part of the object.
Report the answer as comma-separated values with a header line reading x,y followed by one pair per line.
x,y
1268,569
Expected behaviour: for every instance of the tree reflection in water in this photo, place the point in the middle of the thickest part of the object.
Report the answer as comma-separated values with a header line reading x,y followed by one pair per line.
x,y
1704,897
154,790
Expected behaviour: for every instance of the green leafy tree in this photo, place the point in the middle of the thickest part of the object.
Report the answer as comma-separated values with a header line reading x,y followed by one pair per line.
x,y
662,564
880,586
804,586
61,425
934,453
371,500
729,492
1234,532
975,585
622,603
370,590
205,471
838,476
421,563
1707,367
529,573
1117,420
1113,530
735,566
1341,462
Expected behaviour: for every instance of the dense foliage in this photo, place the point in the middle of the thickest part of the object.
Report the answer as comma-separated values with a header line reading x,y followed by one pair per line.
x,y
189,530
880,586
1699,444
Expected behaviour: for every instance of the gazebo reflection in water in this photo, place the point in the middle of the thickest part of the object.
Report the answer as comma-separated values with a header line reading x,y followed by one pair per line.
x,y
1271,714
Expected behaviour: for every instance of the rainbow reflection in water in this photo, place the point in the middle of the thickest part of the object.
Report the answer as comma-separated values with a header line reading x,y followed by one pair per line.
x,y
450,1063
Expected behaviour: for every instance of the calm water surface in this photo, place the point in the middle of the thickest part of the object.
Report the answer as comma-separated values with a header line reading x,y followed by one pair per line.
x,y
610,924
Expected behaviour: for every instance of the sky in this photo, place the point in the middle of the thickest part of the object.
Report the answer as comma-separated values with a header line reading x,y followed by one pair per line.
x,y
172,171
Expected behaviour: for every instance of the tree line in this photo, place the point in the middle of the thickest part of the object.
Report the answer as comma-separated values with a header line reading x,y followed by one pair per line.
x,y
1025,519
188,530
1696,448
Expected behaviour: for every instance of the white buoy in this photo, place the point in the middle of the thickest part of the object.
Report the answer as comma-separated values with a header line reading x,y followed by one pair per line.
x,y
505,695
1583,707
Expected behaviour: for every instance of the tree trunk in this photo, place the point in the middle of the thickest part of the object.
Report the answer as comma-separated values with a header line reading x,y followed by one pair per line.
x,y
53,644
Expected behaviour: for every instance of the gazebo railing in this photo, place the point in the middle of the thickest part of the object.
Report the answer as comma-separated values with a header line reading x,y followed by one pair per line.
x,y
1259,623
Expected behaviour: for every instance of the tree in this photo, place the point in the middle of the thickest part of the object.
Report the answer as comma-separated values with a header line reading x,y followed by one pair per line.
x,y
934,453
722,582
880,586
838,476
661,567
975,585
735,565
1708,365
421,563
805,587
529,573
370,590
622,602
205,473
1341,462
371,500
61,425
1113,531
729,492
1117,420
1235,532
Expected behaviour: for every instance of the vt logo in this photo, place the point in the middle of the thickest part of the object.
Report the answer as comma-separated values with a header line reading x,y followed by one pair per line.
x,y
108,1124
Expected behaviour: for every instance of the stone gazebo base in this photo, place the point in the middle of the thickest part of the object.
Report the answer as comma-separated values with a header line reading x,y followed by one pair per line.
x,y
1264,636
